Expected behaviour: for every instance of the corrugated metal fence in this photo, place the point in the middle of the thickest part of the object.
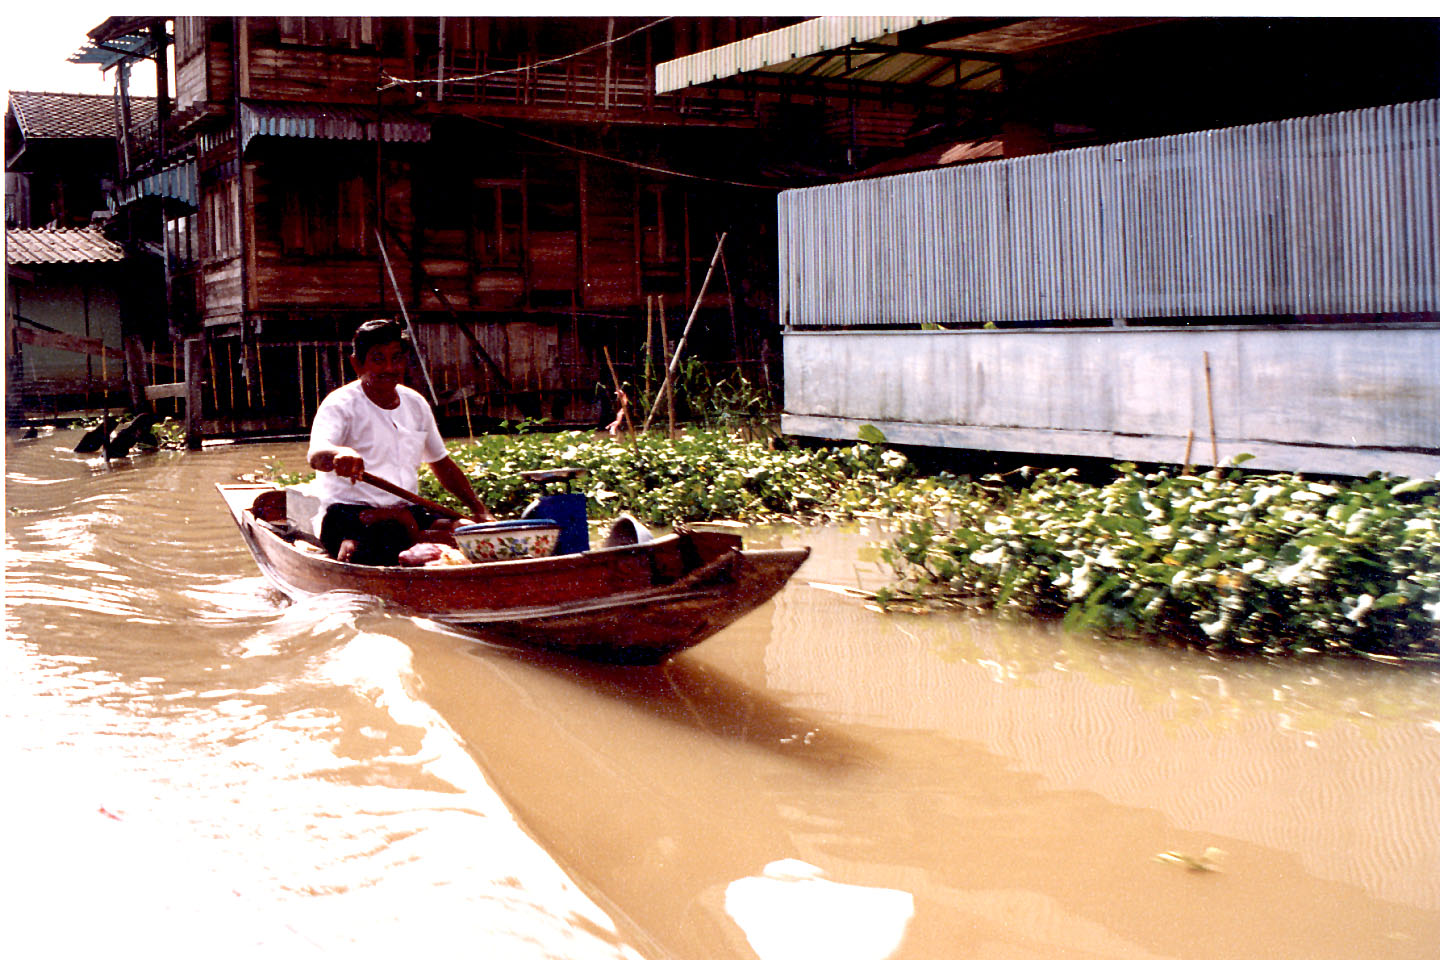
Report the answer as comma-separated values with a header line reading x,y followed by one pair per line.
x,y
1335,214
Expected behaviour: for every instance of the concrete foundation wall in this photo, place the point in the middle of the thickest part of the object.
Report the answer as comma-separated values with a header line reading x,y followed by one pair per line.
x,y
1327,400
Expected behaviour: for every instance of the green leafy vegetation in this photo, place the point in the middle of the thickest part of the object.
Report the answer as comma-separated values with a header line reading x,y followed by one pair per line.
x,y
701,475
1273,562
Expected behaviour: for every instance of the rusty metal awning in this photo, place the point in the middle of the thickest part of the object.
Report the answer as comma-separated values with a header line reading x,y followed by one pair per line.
x,y
930,51
777,49
326,123
178,182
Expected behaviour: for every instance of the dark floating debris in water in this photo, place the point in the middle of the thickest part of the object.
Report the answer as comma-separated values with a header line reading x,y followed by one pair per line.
x,y
140,431
95,438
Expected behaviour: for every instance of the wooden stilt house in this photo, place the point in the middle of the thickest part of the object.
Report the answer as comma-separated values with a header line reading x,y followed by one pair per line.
x,y
513,186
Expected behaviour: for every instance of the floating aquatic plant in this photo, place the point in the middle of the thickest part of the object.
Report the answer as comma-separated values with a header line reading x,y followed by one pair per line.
x,y
700,475
1276,562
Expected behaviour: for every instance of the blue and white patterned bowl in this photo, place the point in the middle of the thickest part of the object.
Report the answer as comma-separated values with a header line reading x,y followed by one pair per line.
x,y
507,540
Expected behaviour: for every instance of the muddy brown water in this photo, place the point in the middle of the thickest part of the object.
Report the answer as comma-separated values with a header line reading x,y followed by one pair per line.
x,y
194,764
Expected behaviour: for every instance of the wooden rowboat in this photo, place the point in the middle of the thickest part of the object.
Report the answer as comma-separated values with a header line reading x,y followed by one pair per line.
x,y
639,603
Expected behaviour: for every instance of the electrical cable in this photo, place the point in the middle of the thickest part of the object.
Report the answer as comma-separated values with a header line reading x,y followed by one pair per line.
x,y
393,81
628,163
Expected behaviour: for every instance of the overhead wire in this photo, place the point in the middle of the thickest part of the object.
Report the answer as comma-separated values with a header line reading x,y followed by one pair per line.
x,y
628,163
394,81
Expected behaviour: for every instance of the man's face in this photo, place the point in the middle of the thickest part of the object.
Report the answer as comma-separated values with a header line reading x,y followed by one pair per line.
x,y
382,368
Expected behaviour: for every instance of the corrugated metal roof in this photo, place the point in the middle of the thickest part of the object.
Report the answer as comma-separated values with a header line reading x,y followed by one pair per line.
x,y
68,115
869,49
75,245
776,47
311,122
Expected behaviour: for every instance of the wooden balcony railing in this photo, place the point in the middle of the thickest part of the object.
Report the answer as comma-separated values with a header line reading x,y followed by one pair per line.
x,y
482,79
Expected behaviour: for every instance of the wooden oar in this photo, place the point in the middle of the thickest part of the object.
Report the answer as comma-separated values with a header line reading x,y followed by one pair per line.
x,y
414,498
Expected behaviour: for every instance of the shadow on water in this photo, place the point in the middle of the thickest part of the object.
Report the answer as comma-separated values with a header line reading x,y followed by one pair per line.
x,y
689,693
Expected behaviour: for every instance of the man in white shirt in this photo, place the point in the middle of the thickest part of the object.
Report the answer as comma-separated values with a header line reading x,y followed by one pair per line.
x,y
376,424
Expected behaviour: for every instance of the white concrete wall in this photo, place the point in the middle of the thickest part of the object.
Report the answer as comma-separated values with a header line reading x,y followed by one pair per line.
x,y
1322,399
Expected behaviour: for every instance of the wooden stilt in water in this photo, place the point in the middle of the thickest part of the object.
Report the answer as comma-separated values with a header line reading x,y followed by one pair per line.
x,y
214,378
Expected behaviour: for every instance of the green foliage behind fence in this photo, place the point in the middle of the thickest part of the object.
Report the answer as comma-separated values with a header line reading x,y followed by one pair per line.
x,y
1274,562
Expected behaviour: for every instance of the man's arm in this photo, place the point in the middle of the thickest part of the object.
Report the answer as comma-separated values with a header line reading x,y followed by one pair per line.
x,y
452,478
344,461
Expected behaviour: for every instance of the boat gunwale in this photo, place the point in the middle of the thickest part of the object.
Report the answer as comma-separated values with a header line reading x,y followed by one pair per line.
x,y
556,564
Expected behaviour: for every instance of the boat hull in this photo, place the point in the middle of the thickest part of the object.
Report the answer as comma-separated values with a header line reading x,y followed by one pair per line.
x,y
639,603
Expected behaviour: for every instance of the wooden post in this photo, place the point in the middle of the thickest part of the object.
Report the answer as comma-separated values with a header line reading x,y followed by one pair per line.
x,y
649,337
300,378
667,389
1210,407
260,372
194,390
135,370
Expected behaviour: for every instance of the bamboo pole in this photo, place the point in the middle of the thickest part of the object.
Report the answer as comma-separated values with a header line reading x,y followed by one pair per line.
x,y
674,362
649,335
214,378
404,313
260,372
1189,441
669,394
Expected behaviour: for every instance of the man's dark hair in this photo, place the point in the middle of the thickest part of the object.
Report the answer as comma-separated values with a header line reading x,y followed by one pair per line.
x,y
373,333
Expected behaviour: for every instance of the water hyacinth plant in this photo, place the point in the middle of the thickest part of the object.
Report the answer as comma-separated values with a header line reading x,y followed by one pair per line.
x,y
701,475
1272,562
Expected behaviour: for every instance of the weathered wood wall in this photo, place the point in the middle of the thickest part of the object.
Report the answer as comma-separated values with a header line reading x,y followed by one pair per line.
x,y
536,247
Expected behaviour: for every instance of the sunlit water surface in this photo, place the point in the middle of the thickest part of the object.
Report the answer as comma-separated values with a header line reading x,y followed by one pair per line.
x,y
196,766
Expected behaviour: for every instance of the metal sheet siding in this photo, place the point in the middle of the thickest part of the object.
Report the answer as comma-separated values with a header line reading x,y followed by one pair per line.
x,y
1335,214
1334,398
